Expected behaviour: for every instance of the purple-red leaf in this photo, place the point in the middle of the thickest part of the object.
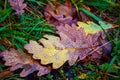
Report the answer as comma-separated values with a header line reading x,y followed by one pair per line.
x,y
18,6
14,59
84,45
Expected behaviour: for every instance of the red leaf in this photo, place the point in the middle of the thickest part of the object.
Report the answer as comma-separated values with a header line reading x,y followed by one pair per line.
x,y
5,73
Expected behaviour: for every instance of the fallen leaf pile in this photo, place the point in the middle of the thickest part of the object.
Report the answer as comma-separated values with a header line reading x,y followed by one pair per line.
x,y
72,43
77,41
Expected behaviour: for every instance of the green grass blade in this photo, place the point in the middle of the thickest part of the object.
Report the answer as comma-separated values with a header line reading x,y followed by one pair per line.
x,y
5,14
111,63
3,28
90,14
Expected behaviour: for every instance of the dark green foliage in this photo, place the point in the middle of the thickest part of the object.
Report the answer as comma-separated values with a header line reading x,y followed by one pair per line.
x,y
18,33
18,30
104,4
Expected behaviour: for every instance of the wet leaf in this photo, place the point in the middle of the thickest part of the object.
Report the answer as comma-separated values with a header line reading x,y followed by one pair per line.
x,y
80,44
72,43
52,51
16,60
91,27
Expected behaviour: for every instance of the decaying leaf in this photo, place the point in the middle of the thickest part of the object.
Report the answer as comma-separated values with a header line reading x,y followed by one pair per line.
x,y
58,14
91,35
52,51
76,39
16,60
18,6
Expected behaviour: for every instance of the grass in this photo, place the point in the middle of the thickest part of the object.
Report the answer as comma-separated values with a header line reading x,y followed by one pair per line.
x,y
18,30
15,31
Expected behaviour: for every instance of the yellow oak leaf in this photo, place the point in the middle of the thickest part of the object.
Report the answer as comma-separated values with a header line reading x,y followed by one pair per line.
x,y
52,51
91,27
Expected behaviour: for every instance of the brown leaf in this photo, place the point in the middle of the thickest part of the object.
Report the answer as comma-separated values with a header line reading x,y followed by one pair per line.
x,y
57,14
68,4
16,60
62,15
5,73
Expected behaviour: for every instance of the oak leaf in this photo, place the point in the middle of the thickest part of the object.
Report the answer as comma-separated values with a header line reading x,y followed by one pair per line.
x,y
16,60
52,51
72,43
91,27
77,40
85,40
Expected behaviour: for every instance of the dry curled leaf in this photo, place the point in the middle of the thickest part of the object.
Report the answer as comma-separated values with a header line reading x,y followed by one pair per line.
x,y
16,60
18,6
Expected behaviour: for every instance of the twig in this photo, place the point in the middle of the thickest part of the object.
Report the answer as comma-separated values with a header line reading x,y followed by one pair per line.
x,y
99,47
112,75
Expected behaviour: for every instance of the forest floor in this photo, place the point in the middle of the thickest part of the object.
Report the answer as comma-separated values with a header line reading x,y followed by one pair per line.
x,y
23,23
